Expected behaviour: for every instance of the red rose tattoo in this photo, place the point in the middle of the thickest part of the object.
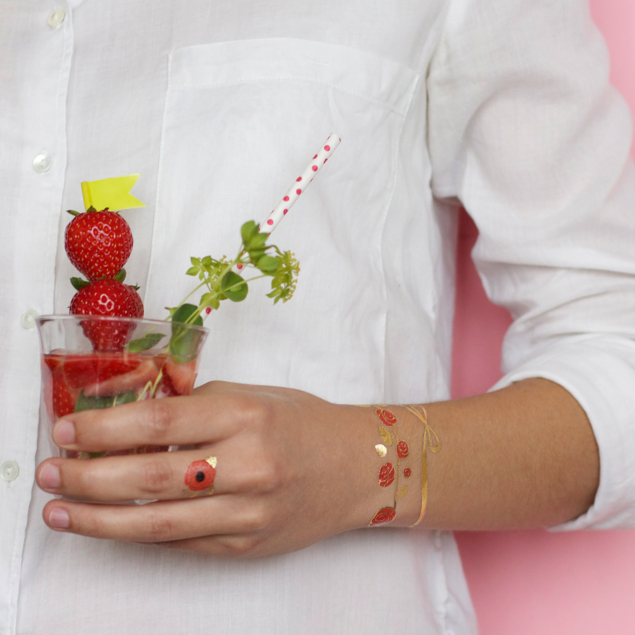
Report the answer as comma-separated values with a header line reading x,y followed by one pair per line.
x,y
386,475
407,472
200,475
402,449
385,515
387,417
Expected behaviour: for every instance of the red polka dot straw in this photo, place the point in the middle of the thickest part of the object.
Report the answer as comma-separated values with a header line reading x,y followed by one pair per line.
x,y
311,171
306,177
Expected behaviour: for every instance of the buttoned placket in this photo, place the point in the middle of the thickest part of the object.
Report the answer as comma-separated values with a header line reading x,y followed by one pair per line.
x,y
44,124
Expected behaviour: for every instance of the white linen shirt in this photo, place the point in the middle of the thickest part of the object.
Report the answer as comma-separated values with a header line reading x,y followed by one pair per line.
x,y
503,105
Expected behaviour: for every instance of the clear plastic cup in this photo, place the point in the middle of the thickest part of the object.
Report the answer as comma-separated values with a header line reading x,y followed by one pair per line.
x,y
94,362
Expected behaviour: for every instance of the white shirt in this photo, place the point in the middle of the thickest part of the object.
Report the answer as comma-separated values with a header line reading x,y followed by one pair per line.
x,y
501,104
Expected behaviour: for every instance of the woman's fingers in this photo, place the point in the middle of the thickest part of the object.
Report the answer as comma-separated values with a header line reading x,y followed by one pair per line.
x,y
173,421
158,476
159,522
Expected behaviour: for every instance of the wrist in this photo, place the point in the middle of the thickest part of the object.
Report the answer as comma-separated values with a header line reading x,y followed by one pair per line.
x,y
394,488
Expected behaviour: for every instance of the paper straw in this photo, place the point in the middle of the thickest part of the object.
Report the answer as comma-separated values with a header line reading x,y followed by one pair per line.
x,y
299,187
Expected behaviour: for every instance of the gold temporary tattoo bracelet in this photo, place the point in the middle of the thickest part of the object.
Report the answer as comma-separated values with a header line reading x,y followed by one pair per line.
x,y
430,440
387,473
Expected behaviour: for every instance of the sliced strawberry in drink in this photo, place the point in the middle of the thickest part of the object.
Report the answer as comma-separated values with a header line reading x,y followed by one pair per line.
x,y
63,398
179,378
59,397
52,361
86,370
136,379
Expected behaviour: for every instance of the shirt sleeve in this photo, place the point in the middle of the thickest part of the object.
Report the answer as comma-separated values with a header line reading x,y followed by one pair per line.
x,y
525,130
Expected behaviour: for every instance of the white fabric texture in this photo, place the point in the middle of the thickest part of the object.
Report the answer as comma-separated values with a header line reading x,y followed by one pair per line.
x,y
503,105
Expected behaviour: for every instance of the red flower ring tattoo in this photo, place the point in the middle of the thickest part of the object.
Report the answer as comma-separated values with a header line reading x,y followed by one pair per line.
x,y
402,449
200,475
387,417
385,515
386,475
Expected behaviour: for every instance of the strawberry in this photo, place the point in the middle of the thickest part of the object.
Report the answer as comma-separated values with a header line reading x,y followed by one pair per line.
x,y
109,298
179,378
59,396
98,243
86,370
63,397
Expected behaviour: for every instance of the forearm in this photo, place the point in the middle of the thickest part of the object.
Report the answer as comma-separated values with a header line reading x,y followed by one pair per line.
x,y
520,457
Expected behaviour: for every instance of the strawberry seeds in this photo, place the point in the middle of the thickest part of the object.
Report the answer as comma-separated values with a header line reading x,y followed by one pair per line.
x,y
99,245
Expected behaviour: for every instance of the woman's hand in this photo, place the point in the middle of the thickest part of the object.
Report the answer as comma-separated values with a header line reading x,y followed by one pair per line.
x,y
292,469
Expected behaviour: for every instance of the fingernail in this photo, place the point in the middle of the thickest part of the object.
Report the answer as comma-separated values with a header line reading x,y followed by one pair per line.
x,y
59,518
50,476
64,433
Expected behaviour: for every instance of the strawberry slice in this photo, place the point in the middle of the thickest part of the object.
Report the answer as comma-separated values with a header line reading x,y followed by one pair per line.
x,y
52,361
136,379
59,397
86,370
63,397
179,378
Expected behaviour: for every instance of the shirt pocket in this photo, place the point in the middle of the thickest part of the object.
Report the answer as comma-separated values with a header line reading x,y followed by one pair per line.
x,y
242,119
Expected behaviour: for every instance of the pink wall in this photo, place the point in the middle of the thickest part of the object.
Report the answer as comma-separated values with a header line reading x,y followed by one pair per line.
x,y
533,582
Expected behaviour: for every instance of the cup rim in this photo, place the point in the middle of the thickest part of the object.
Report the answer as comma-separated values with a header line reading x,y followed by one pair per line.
x,y
41,319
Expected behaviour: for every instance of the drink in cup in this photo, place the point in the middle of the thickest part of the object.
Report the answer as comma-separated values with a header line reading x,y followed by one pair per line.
x,y
93,362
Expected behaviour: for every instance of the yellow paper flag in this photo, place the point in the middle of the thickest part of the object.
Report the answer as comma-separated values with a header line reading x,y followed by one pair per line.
x,y
111,193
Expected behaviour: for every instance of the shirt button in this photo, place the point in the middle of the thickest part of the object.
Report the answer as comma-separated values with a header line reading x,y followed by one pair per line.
x,y
28,319
9,471
42,162
56,18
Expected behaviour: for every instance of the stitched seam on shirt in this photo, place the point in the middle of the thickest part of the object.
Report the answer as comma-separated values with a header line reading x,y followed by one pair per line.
x,y
438,539
393,187
153,241
401,113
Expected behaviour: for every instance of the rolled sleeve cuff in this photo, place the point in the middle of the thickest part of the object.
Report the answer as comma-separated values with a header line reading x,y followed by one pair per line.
x,y
600,373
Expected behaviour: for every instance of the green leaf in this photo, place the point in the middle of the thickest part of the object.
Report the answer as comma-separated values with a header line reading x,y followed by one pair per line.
x,y
91,209
121,276
184,341
72,212
105,401
248,230
144,343
256,253
79,283
258,240
268,264
234,287
184,313
127,397
192,271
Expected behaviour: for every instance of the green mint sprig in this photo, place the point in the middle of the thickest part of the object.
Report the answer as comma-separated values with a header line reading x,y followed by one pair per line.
x,y
220,282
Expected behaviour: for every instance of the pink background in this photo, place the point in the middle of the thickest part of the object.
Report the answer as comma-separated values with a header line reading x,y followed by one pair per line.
x,y
533,582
